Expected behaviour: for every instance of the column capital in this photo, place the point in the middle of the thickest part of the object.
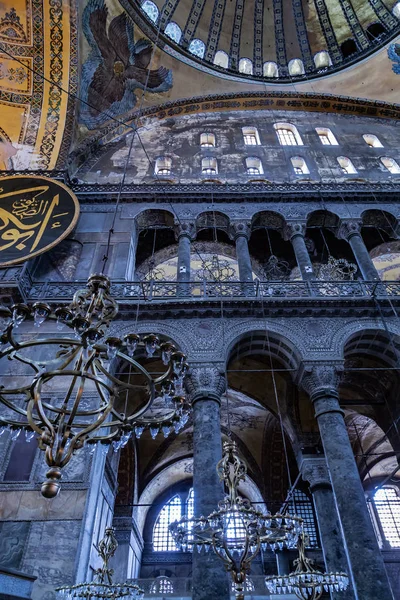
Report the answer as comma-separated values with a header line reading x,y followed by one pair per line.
x,y
348,228
206,382
240,228
185,229
321,380
315,470
292,229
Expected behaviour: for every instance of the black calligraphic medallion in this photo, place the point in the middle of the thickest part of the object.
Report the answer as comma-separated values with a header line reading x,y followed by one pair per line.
x,y
36,214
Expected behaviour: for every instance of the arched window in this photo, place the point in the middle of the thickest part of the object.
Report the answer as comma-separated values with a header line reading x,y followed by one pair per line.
x,y
390,164
245,66
372,140
375,32
162,538
322,60
209,166
301,505
190,504
270,69
250,136
197,47
254,166
326,136
387,507
151,10
299,165
162,585
287,134
348,48
173,31
396,10
221,59
296,67
346,165
207,140
163,165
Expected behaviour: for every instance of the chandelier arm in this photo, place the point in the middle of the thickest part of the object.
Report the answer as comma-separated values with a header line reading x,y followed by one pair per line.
x,y
166,375
117,381
11,405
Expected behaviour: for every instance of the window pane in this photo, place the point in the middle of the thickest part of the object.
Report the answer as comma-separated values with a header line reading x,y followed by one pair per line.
x,y
162,539
21,459
387,504
301,505
286,137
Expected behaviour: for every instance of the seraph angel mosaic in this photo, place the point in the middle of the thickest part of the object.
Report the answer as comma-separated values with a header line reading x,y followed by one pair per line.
x,y
115,67
394,55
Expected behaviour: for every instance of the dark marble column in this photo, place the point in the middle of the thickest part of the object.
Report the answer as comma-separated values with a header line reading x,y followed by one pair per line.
x,y
367,569
241,234
351,232
206,385
295,232
184,233
314,470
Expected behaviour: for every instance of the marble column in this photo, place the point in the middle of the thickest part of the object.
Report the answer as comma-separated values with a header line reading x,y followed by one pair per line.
x,y
240,232
295,232
314,470
185,234
350,231
206,385
366,566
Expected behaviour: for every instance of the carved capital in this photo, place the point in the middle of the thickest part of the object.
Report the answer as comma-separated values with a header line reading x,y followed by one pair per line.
x,y
348,228
185,229
292,229
315,471
240,228
321,380
206,383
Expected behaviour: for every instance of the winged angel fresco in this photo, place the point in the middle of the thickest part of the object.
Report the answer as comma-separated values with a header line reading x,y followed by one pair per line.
x,y
116,66
394,55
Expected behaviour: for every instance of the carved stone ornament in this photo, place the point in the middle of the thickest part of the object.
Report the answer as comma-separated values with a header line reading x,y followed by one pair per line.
x,y
321,380
240,228
348,228
290,230
185,228
315,471
205,383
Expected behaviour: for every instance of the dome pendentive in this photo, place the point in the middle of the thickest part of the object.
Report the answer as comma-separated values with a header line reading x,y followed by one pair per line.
x,y
269,39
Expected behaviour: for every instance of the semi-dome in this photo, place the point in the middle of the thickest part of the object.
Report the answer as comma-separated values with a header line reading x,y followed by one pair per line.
x,y
272,40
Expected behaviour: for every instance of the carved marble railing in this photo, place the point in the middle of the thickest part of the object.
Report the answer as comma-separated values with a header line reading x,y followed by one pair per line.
x,y
146,291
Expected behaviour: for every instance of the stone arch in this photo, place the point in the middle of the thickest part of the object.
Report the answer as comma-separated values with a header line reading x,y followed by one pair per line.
x,y
211,219
162,328
151,218
267,218
323,218
381,219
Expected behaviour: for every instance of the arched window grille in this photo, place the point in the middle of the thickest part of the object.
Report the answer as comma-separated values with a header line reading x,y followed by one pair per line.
x,y
221,59
372,140
151,10
162,585
301,505
346,165
162,538
270,69
190,504
375,32
288,134
296,67
209,166
250,136
207,140
390,164
386,502
326,136
322,60
197,47
245,66
299,165
254,166
173,31
163,165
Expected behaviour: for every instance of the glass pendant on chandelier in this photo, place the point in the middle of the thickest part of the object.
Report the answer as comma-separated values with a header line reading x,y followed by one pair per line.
x,y
102,586
75,395
306,581
236,531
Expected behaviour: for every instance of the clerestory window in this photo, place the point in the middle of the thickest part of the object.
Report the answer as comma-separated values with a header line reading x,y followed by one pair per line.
x,y
346,165
151,10
250,136
288,134
386,502
326,136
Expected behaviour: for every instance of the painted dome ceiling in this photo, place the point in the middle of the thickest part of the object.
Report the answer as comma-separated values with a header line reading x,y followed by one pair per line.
x,y
272,40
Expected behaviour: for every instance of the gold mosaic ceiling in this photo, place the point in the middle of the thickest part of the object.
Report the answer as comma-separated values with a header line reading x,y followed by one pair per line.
x,y
283,39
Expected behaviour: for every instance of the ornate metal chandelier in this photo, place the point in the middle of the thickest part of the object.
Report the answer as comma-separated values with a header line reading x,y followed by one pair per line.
x,y
306,581
77,397
236,531
102,586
